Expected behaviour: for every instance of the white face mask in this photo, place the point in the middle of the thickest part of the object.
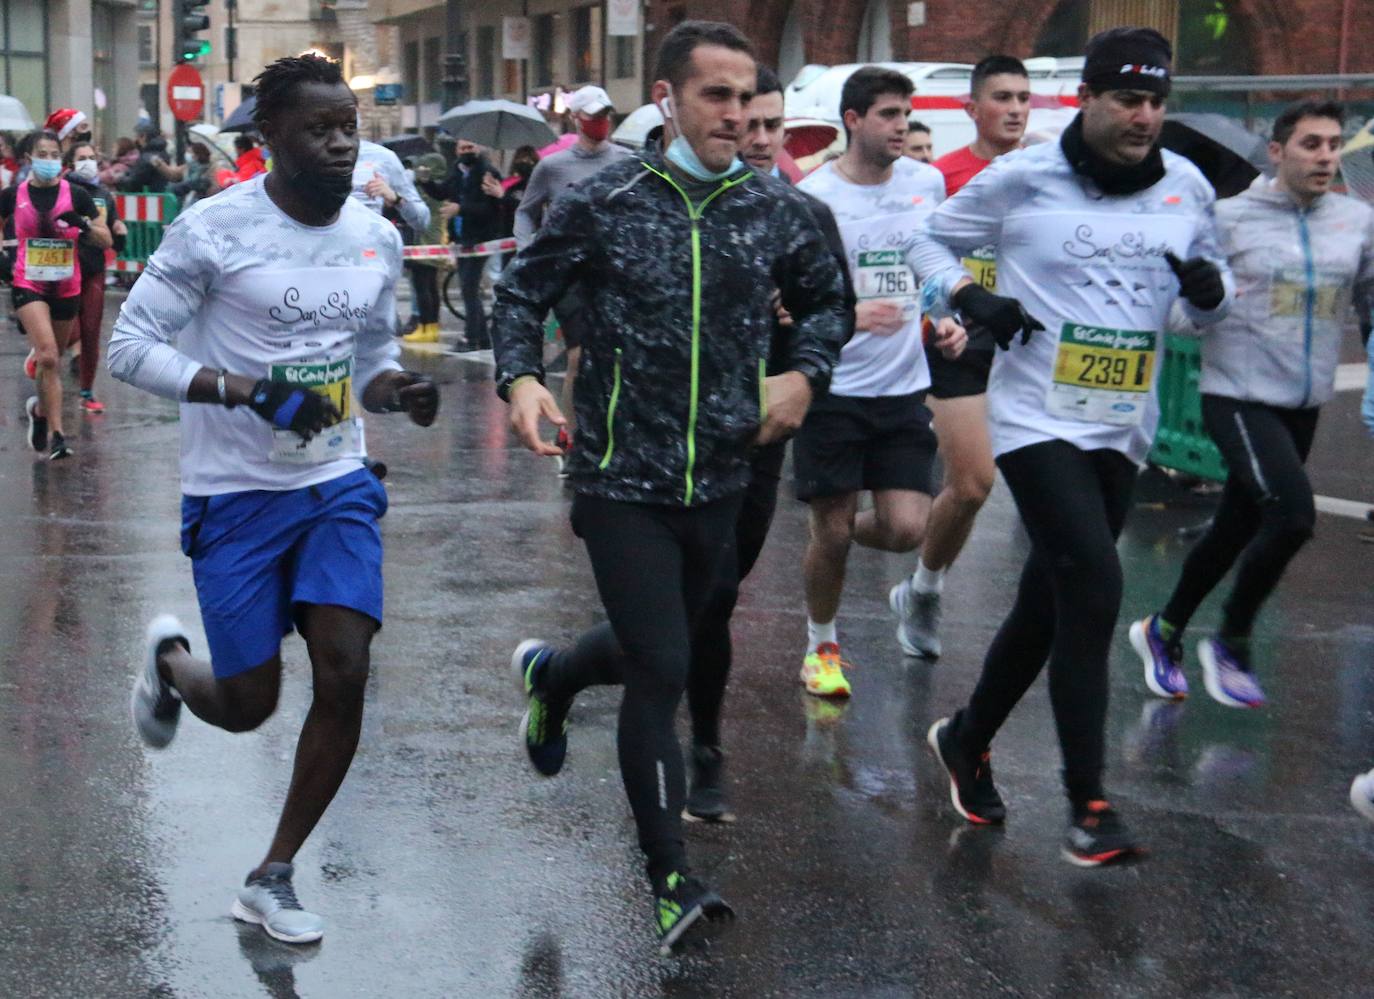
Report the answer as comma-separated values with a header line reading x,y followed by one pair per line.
x,y
189,156
86,169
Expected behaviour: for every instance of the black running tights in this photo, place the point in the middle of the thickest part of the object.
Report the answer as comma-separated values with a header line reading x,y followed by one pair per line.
x,y
1265,516
1073,504
656,567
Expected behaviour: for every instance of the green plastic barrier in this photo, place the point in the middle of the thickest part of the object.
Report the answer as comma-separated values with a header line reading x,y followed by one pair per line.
x,y
1182,442
147,218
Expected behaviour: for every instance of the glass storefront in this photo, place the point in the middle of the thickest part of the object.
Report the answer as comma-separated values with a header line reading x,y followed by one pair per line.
x,y
23,61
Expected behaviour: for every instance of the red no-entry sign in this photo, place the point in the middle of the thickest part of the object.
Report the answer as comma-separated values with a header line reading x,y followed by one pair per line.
x,y
186,92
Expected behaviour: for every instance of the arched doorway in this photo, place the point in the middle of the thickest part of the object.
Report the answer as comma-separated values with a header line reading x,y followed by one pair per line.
x,y
792,45
875,33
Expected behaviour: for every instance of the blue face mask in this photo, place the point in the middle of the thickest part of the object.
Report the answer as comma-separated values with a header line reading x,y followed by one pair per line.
x,y
46,170
681,154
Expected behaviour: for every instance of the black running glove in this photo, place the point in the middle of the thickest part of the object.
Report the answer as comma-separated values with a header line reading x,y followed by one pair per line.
x,y
75,219
290,408
1001,316
1199,281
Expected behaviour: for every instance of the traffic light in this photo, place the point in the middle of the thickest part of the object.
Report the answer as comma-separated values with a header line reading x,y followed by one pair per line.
x,y
187,23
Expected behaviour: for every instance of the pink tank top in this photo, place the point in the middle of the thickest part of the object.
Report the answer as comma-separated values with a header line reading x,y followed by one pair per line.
x,y
54,270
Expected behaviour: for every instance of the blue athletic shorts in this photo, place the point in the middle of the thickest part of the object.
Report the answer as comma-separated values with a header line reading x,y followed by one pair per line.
x,y
258,555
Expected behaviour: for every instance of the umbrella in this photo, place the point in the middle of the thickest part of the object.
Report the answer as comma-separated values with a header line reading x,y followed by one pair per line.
x,y
242,118
809,136
13,115
565,141
497,124
1357,163
408,145
634,130
1228,156
210,136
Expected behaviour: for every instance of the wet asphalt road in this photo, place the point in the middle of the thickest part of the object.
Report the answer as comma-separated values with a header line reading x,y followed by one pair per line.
x,y
446,869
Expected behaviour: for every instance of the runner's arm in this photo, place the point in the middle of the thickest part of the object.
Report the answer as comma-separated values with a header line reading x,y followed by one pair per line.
x,y
165,299
531,209
960,225
814,290
411,206
534,281
1208,245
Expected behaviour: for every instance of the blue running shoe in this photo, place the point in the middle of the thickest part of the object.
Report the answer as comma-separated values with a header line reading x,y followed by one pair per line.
x,y
544,729
1163,660
1228,676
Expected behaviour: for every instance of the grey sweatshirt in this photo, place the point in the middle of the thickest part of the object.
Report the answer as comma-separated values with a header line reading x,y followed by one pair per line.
x,y
554,174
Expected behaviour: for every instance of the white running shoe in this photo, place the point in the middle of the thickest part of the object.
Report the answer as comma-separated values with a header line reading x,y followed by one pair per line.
x,y
1362,795
270,901
918,620
154,706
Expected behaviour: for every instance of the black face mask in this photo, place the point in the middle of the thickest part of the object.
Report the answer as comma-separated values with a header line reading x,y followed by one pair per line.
x,y
467,159
523,169
324,192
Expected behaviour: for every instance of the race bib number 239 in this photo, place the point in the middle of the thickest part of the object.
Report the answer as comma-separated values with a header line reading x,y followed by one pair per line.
x,y
1102,375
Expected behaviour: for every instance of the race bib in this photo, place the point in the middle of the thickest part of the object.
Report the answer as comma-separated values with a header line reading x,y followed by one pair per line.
x,y
884,274
344,439
1102,375
1288,294
982,267
49,259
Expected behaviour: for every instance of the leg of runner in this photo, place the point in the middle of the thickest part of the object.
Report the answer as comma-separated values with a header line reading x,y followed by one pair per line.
x,y
48,339
654,569
966,451
1073,504
1266,514
88,337
823,569
897,522
338,640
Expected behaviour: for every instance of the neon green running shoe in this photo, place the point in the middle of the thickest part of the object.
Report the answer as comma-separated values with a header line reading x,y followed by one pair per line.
x,y
687,913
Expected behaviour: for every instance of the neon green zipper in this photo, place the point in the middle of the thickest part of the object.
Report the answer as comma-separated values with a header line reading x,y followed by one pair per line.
x,y
763,390
694,213
610,415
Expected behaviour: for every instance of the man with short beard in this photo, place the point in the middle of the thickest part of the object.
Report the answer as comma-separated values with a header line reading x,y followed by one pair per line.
x,y
261,311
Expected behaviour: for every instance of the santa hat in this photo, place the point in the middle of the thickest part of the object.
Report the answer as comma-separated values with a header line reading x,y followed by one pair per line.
x,y
64,121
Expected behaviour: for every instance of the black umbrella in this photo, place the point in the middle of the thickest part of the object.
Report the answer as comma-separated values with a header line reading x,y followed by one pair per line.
x,y
1228,156
242,118
407,145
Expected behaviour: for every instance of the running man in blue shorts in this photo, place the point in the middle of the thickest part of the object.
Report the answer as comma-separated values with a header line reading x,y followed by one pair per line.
x,y
261,311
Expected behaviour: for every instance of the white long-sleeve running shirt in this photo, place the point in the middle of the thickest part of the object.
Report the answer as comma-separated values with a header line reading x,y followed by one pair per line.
x,y
1091,268
877,223
238,285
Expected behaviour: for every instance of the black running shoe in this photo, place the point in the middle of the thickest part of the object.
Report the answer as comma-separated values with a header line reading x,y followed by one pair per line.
x,y
38,425
706,798
1097,836
544,728
687,913
971,790
60,449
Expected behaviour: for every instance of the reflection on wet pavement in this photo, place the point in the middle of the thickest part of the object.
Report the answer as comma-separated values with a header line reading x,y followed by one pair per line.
x,y
444,869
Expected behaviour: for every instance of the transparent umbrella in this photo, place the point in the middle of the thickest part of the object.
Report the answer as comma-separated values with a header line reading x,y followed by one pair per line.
x,y
1357,163
14,117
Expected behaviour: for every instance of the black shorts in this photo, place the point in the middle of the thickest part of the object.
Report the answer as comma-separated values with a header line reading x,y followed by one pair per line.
x,y
968,375
849,444
62,309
